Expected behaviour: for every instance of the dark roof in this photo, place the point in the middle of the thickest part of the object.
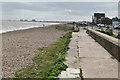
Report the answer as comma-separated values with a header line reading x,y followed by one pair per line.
x,y
99,14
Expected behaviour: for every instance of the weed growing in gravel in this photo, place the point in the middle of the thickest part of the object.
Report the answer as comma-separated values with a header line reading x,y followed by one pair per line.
x,y
115,36
48,63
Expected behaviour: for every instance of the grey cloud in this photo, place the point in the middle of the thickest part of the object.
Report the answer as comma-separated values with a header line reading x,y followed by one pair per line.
x,y
61,8
46,6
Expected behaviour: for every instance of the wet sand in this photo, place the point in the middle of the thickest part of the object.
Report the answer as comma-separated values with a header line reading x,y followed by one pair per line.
x,y
18,47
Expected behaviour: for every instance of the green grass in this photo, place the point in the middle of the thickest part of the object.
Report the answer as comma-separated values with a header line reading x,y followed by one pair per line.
x,y
48,63
81,74
115,36
64,27
102,31
81,25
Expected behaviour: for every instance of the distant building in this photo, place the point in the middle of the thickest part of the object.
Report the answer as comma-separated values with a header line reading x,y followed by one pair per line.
x,y
98,16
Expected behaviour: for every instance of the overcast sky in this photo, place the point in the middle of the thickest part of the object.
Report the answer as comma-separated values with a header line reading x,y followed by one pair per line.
x,y
75,11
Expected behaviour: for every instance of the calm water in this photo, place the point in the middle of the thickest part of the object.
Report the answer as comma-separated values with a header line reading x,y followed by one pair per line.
x,y
19,25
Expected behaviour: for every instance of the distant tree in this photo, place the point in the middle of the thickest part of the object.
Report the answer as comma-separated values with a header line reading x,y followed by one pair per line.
x,y
21,19
25,20
106,20
115,19
33,20
74,23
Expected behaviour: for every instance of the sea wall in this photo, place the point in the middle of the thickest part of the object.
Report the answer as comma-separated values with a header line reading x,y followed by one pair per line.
x,y
112,45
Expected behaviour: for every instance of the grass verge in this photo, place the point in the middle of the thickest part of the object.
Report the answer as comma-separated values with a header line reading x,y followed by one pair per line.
x,y
64,27
48,63
81,74
115,36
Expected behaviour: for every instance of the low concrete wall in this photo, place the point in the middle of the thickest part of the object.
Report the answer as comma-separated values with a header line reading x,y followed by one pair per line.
x,y
112,45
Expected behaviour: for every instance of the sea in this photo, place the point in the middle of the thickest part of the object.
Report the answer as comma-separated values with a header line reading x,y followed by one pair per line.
x,y
7,26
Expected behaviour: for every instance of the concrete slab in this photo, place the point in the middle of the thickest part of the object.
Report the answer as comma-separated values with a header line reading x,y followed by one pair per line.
x,y
92,58
95,61
90,48
72,54
70,79
73,71
70,73
99,68
66,75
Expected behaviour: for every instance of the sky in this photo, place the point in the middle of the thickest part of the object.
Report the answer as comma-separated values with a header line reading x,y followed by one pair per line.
x,y
60,11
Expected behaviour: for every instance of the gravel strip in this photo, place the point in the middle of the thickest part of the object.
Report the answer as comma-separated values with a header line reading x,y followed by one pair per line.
x,y
19,47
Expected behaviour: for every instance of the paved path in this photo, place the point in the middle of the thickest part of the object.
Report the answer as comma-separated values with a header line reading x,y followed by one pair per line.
x,y
95,61
92,58
73,70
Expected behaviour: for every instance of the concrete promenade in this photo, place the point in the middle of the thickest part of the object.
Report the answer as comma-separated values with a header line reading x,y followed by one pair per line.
x,y
95,61
89,56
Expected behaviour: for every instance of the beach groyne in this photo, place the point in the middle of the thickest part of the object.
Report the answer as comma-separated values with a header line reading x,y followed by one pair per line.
x,y
112,45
